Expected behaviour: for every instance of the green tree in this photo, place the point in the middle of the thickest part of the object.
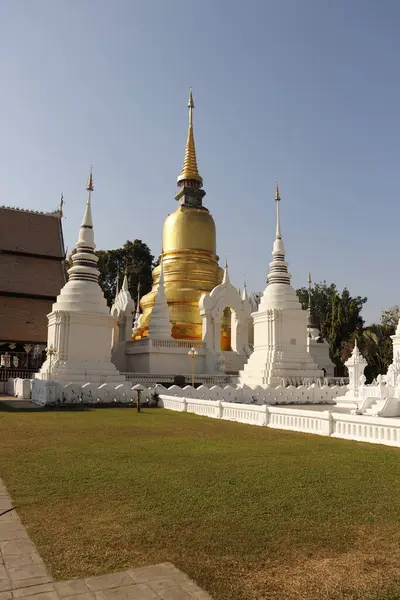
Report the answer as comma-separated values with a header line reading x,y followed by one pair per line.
x,y
375,345
390,316
138,260
339,314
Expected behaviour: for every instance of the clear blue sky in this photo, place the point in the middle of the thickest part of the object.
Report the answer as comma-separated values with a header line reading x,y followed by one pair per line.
x,y
306,91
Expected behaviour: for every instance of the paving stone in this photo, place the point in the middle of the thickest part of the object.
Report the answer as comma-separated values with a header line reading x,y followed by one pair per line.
x,y
73,587
5,503
10,517
190,586
161,584
27,572
20,546
33,589
12,531
151,573
32,581
175,593
3,573
140,591
5,585
104,582
44,595
86,596
22,560
5,595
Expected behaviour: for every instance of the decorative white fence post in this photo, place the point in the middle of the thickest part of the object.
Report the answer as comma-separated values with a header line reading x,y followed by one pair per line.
x,y
356,366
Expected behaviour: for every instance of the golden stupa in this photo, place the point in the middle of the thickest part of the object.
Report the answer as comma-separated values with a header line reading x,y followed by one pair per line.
x,y
189,257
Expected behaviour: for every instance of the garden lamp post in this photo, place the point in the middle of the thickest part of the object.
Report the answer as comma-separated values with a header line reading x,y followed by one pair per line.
x,y
192,354
139,389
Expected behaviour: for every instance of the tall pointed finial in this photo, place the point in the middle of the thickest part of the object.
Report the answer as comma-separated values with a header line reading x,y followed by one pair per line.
x,y
278,272
225,278
278,218
190,107
125,283
117,284
90,186
190,171
309,291
245,295
137,313
60,209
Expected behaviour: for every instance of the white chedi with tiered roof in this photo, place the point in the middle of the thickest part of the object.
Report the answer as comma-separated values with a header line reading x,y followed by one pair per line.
x,y
280,327
123,310
160,326
80,326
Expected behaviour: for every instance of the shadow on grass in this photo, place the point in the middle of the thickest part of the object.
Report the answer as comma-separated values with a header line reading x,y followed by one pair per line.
x,y
11,404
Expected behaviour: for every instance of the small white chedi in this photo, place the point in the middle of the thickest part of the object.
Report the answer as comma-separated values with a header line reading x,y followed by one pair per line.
x,y
80,327
123,310
280,327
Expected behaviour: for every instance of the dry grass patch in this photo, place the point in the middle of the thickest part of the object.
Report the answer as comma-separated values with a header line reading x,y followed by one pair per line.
x,y
250,513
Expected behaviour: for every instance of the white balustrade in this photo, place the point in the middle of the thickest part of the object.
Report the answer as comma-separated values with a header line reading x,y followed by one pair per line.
x,y
376,430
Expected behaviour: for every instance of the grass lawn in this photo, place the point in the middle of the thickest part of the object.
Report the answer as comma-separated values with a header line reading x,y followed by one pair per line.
x,y
250,513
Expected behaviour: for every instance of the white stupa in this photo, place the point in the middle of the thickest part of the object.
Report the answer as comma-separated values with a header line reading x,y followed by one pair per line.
x,y
80,326
280,327
160,327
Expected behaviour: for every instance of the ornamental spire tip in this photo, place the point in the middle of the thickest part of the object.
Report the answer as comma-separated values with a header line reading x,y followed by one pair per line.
x,y
90,186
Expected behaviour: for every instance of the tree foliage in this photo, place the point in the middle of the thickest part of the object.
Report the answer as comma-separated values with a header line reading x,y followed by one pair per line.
x,y
390,317
339,314
136,256
375,345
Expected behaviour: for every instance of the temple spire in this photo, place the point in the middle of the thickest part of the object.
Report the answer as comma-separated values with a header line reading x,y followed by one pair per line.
x,y
245,295
160,325
117,285
189,170
125,283
84,260
278,271
226,272
137,313
278,217
87,217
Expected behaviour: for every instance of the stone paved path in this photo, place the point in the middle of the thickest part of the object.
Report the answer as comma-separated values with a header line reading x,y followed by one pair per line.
x,y
23,573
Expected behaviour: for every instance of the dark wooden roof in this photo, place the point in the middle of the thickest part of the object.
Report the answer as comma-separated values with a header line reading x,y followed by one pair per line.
x,y
31,232
32,272
24,319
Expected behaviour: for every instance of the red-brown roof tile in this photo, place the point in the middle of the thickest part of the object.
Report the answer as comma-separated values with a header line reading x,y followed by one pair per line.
x,y
31,275
25,231
24,319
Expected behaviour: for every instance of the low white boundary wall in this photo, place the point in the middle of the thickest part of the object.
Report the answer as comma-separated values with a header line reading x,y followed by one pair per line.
x,y
376,430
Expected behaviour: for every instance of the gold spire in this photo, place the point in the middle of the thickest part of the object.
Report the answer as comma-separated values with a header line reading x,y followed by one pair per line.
x,y
277,196
309,280
90,186
189,170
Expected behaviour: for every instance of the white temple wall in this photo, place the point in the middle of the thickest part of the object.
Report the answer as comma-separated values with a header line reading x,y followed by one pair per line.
x,y
163,357
90,336
289,332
